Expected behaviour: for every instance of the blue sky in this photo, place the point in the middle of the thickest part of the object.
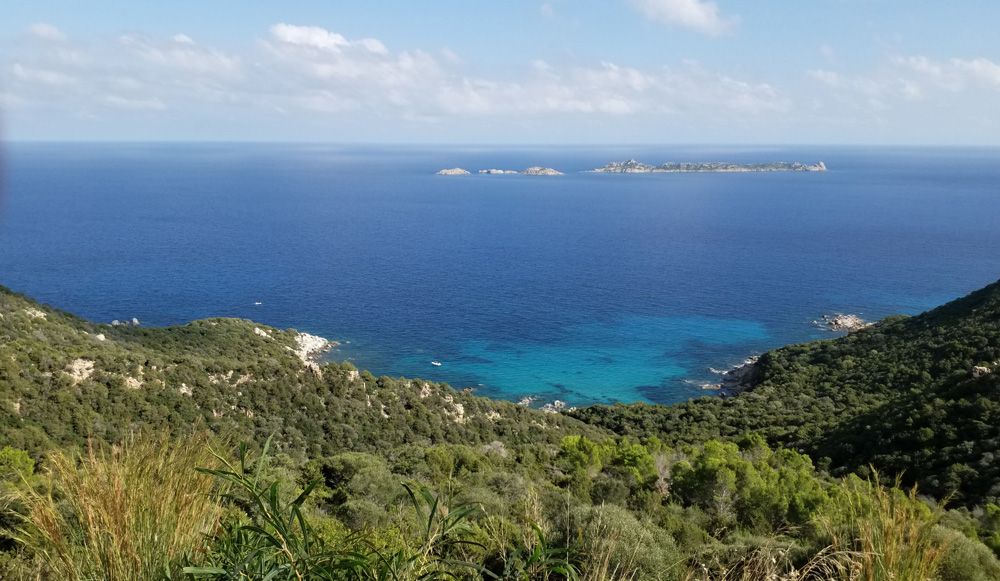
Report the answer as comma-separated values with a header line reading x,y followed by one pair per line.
x,y
519,71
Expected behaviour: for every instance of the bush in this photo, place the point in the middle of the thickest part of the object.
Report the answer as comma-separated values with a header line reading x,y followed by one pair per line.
x,y
609,543
965,559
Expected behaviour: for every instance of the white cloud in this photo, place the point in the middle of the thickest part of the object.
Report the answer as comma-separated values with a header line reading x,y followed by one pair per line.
x,y
699,15
138,104
185,55
342,74
911,86
41,76
828,78
308,36
309,70
980,69
954,74
46,31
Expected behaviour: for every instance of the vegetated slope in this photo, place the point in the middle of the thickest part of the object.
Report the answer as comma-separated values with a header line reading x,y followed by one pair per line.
x,y
547,489
63,379
903,395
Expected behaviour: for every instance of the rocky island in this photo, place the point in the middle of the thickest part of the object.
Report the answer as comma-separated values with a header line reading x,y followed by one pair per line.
x,y
531,171
633,166
541,171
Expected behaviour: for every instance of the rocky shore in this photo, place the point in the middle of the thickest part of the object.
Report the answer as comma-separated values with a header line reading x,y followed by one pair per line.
x,y
736,379
840,322
454,171
309,348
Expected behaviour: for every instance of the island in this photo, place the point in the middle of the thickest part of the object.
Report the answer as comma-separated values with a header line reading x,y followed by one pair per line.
x,y
541,171
633,166
531,171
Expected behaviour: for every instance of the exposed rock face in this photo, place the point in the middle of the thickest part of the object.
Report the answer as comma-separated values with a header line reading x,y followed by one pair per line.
x,y
842,322
80,370
736,379
309,348
455,171
541,171
981,370
633,166
499,171
741,377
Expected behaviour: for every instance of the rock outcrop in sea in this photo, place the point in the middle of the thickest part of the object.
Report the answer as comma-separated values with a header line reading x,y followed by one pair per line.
x,y
841,322
541,171
535,170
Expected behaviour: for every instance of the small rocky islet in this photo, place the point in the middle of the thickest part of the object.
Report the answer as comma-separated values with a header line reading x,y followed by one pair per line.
x,y
531,171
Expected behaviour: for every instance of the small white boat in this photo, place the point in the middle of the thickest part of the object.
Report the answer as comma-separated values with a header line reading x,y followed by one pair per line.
x,y
258,303
436,363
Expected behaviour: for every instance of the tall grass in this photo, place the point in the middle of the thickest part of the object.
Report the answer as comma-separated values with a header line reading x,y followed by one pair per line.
x,y
890,530
771,562
137,510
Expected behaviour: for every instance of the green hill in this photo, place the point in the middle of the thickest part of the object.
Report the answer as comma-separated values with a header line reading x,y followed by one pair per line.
x,y
63,379
901,395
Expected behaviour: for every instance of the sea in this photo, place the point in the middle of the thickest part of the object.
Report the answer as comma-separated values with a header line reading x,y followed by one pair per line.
x,y
582,288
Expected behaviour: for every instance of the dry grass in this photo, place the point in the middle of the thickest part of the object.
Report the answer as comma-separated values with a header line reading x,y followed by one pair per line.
x,y
772,563
137,510
890,531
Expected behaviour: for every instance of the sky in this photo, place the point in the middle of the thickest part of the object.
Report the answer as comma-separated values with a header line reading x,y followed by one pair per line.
x,y
512,72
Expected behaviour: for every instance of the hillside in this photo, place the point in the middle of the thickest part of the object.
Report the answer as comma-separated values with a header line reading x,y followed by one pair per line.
x,y
903,395
63,379
695,491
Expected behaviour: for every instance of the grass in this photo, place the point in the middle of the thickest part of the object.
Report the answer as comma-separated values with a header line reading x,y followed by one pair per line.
x,y
890,530
137,510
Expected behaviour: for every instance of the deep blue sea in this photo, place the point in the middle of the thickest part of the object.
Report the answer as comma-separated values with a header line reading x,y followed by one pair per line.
x,y
584,287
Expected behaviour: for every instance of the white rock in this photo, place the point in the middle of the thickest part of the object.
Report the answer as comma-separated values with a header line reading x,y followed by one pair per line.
x,y
80,370
541,171
455,171
34,313
980,371
842,322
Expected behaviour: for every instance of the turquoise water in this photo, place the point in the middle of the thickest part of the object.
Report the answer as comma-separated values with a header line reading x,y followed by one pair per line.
x,y
584,287
629,359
